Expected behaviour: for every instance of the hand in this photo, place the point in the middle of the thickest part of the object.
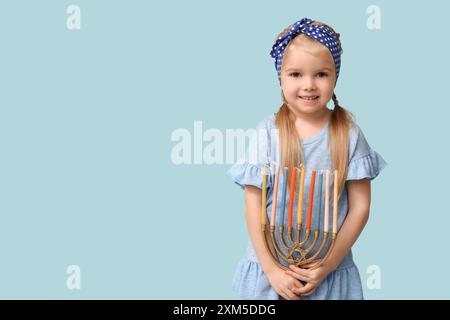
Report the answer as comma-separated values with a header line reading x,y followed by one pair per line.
x,y
313,278
284,284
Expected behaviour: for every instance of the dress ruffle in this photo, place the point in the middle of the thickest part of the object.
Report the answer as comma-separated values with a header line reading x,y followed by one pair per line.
x,y
366,167
250,282
244,173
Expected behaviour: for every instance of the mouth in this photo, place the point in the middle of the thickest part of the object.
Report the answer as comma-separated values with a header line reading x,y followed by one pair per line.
x,y
309,98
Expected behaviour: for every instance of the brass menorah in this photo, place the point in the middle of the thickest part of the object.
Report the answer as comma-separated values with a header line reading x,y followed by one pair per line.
x,y
298,251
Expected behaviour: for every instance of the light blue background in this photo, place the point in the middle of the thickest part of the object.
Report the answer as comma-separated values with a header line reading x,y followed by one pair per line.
x,y
86,117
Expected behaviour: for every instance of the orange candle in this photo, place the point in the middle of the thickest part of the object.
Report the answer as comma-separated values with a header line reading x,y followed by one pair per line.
x,y
263,197
311,199
291,196
274,202
300,195
335,202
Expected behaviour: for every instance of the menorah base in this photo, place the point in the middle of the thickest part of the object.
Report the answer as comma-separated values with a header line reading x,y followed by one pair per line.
x,y
292,247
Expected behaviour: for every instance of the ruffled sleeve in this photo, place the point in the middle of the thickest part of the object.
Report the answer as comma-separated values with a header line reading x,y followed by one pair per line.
x,y
248,169
247,174
364,161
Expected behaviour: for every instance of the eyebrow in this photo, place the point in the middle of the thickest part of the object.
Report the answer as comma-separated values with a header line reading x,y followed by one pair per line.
x,y
295,69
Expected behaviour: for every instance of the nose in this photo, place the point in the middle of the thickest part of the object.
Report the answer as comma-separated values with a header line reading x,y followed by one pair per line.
x,y
308,83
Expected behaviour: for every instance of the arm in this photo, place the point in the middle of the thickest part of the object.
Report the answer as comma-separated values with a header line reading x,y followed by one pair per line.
x,y
354,223
279,280
357,216
253,218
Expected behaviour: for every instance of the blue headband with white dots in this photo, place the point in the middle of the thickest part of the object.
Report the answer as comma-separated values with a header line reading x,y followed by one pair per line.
x,y
320,33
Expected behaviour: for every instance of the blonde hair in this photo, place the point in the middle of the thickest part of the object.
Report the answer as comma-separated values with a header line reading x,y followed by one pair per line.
x,y
340,122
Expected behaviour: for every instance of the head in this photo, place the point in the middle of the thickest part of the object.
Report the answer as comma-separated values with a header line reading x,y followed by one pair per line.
x,y
307,58
307,70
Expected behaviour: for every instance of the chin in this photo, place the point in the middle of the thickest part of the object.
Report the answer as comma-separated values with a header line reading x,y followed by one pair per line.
x,y
307,109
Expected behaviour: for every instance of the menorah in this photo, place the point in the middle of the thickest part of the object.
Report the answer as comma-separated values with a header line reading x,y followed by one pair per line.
x,y
297,249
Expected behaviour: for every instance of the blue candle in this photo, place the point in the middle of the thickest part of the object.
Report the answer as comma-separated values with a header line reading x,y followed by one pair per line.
x,y
319,202
283,195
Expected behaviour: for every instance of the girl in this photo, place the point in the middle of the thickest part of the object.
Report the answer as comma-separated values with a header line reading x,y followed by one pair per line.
x,y
305,132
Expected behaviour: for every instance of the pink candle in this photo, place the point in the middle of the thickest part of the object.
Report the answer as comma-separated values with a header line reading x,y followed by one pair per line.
x,y
327,200
274,202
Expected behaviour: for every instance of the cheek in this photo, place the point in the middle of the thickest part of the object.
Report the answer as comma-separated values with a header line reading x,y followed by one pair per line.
x,y
289,88
327,87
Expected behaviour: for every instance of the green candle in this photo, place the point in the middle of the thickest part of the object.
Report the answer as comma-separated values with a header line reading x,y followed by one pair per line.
x,y
319,202
283,195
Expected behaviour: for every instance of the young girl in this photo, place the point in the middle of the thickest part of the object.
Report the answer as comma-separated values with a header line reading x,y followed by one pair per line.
x,y
305,132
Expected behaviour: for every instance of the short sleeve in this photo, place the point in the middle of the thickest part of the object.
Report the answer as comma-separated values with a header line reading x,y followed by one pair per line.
x,y
364,162
248,170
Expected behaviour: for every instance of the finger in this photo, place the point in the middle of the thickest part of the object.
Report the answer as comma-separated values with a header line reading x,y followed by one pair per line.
x,y
298,283
310,264
282,294
289,292
304,272
297,276
308,287
295,291
309,292
291,295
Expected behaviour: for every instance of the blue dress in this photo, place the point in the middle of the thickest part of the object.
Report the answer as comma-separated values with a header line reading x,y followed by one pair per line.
x,y
344,282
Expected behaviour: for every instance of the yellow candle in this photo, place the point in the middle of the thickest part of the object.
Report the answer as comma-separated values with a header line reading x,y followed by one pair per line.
x,y
263,202
274,202
300,195
327,200
335,202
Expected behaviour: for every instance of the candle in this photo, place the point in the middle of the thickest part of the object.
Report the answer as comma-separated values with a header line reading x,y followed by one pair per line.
x,y
300,195
283,195
274,202
291,196
335,202
327,200
310,202
263,202
319,202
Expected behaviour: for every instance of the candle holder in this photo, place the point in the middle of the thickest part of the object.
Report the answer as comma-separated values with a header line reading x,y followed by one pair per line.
x,y
298,247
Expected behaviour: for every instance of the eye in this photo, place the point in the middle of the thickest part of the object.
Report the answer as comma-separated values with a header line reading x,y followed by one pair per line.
x,y
294,74
322,74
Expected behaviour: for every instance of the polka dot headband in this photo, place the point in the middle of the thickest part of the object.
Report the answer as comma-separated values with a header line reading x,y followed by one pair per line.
x,y
320,33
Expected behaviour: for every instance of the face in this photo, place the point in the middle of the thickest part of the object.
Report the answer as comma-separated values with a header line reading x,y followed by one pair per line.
x,y
307,79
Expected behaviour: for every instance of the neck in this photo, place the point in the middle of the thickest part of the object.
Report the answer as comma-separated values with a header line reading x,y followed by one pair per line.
x,y
317,118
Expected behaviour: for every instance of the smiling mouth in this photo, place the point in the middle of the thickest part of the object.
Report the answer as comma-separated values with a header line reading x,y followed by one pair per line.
x,y
309,98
